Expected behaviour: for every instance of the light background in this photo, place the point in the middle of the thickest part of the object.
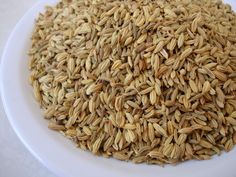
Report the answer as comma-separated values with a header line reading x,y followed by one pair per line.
x,y
15,159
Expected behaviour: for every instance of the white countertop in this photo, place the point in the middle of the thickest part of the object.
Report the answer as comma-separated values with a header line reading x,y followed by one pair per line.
x,y
16,160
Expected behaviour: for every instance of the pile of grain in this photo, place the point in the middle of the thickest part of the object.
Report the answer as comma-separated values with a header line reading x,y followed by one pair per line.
x,y
148,80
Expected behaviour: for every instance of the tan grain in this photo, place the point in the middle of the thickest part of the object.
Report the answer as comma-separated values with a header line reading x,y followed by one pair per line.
x,y
145,81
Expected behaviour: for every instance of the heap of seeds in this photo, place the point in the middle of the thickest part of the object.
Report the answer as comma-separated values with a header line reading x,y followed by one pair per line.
x,y
147,80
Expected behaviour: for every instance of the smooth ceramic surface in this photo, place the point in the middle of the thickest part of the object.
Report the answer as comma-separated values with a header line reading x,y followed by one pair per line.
x,y
56,152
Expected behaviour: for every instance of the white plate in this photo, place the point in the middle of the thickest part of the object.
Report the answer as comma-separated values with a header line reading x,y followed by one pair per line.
x,y
56,152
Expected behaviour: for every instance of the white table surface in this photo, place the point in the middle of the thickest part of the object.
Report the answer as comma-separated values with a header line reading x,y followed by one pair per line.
x,y
15,159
